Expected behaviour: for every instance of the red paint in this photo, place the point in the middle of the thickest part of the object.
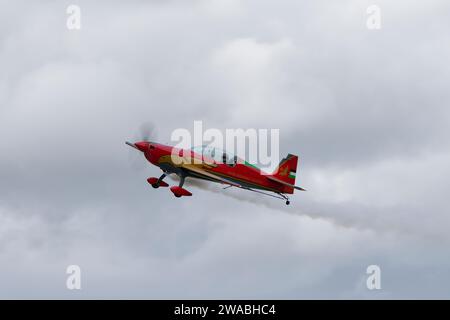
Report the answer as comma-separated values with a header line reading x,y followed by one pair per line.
x,y
180,191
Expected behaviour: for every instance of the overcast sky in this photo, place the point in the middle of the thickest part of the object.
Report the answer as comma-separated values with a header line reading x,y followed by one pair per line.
x,y
365,110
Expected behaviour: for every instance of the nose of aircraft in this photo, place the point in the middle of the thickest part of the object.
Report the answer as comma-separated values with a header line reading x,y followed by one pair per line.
x,y
143,145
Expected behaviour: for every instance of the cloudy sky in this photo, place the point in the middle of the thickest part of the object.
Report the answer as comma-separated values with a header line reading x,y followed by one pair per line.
x,y
366,111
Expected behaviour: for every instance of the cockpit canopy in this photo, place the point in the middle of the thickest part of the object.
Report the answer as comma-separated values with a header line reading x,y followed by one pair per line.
x,y
218,155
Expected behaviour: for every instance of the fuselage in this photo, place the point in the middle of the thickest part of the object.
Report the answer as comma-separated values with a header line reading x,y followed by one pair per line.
x,y
168,159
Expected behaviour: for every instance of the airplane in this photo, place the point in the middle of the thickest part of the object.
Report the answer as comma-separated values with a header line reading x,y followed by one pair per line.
x,y
213,164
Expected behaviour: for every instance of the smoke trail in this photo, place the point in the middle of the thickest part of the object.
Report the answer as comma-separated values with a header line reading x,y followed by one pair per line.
x,y
247,196
347,215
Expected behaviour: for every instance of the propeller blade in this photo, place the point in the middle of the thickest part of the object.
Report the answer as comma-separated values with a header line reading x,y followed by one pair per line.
x,y
147,131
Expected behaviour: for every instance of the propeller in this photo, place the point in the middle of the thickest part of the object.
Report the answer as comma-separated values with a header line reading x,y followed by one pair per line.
x,y
146,132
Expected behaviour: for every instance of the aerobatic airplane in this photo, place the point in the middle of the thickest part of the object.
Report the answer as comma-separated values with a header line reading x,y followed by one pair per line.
x,y
212,164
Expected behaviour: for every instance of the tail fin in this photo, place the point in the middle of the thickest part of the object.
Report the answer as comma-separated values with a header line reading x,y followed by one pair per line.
x,y
286,170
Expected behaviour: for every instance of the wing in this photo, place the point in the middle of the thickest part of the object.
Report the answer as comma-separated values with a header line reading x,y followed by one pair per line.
x,y
285,183
199,170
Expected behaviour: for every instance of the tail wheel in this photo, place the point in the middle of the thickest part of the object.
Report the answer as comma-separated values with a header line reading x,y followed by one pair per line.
x,y
287,202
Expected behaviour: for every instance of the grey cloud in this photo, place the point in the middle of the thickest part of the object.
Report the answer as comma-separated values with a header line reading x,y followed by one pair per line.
x,y
365,110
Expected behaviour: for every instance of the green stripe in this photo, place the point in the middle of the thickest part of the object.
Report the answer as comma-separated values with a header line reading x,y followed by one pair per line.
x,y
251,165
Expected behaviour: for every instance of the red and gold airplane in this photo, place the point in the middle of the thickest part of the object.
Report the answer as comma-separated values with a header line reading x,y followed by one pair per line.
x,y
212,164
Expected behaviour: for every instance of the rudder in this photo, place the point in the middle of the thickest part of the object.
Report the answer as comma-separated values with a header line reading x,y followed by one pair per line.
x,y
287,169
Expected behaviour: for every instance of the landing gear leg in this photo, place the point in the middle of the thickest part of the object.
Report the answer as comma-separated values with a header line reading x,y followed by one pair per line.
x,y
161,178
182,177
285,197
